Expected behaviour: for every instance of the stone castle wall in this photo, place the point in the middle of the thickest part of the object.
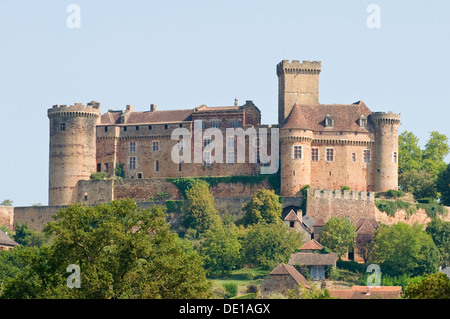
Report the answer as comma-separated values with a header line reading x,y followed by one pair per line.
x,y
7,216
351,204
103,191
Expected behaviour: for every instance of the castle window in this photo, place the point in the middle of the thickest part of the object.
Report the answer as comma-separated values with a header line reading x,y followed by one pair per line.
x,y
215,123
230,158
132,147
394,157
315,154
234,123
124,128
106,167
297,152
137,128
132,163
362,121
180,125
149,127
230,142
291,224
330,154
165,126
99,167
329,122
206,141
155,145
207,158
353,157
157,166
62,127
366,156
179,166
106,129
139,175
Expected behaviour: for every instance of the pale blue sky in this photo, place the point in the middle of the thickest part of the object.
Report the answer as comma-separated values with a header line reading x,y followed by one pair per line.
x,y
181,54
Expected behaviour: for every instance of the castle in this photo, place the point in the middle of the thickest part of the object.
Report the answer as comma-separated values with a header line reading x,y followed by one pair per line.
x,y
324,146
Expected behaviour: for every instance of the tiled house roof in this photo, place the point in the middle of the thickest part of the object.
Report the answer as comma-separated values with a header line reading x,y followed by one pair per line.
x,y
6,241
364,292
313,259
284,269
345,117
312,245
292,217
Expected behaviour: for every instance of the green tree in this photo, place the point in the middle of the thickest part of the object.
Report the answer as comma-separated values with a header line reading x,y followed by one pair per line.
x,y
301,292
439,231
338,234
23,235
403,249
410,154
7,202
199,211
443,186
436,150
122,252
221,249
267,245
419,183
264,206
433,286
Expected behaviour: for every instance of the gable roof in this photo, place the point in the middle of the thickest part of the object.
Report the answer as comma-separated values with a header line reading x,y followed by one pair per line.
x,y
372,221
345,117
284,269
319,223
292,216
313,259
312,245
365,229
5,240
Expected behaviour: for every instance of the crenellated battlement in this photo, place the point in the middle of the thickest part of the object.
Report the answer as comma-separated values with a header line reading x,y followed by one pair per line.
x,y
297,67
342,194
78,109
383,117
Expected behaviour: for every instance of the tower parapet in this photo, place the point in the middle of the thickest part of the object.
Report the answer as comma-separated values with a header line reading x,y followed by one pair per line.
x,y
385,168
72,149
298,82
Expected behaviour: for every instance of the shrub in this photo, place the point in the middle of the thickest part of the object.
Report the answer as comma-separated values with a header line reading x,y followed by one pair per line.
x,y
345,188
99,176
231,289
252,289
393,193
351,265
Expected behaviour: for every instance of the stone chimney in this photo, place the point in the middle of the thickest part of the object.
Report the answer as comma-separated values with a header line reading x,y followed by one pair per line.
x,y
152,107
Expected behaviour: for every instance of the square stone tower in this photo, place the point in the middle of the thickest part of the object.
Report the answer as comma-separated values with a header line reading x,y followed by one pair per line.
x,y
297,82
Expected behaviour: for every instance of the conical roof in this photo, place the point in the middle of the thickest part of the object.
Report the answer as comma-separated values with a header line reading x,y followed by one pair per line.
x,y
296,119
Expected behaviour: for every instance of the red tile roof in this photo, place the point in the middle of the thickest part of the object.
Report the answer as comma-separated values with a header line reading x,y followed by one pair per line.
x,y
312,116
365,292
292,216
284,269
5,240
312,245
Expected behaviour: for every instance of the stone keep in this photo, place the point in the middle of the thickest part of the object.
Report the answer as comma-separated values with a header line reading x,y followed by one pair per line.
x,y
72,149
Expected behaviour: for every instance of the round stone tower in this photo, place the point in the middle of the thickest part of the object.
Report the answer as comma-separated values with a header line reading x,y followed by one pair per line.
x,y
296,137
385,174
72,149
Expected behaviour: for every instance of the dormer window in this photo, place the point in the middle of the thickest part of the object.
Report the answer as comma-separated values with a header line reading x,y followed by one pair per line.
x,y
329,121
362,121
